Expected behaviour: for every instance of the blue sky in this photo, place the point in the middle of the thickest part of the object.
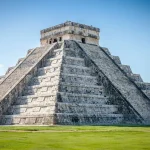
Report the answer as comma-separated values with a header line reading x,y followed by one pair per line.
x,y
124,24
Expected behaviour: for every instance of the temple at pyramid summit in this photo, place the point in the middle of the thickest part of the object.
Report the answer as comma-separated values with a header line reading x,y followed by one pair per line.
x,y
71,80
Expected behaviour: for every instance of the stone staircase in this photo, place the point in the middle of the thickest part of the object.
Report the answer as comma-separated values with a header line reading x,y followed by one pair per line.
x,y
82,99
36,103
67,89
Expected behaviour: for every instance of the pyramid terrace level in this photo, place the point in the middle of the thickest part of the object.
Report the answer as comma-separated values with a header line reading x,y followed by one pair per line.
x,y
70,31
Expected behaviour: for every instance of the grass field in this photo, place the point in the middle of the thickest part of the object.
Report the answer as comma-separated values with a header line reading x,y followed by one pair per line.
x,y
74,138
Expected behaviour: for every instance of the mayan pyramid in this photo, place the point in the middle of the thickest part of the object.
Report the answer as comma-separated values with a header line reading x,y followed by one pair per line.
x,y
71,80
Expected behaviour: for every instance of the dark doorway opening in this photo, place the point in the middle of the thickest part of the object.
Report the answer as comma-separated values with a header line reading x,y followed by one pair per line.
x,y
60,38
83,40
55,40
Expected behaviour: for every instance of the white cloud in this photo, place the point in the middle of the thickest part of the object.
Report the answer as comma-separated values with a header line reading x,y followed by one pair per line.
x,y
1,65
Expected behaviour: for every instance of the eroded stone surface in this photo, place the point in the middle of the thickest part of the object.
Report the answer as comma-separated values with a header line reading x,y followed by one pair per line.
x,y
79,84
131,93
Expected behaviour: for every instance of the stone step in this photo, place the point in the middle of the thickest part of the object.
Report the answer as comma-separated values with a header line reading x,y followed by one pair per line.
x,y
53,61
82,98
147,92
85,108
116,59
56,52
49,108
41,89
81,79
62,97
106,50
135,77
67,78
126,69
72,69
36,99
74,61
33,109
71,52
48,78
2,78
90,119
143,85
27,120
63,87
81,89
62,119
49,69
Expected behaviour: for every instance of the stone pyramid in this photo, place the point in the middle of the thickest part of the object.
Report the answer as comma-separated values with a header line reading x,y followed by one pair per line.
x,y
72,82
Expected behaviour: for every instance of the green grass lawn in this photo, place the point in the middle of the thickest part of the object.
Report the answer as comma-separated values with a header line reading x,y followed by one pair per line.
x,y
74,138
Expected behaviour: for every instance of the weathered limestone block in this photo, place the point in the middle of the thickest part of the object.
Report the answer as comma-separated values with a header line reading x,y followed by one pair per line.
x,y
72,69
71,52
136,77
20,60
143,85
9,70
45,79
49,70
81,98
80,79
27,120
84,119
126,69
106,50
2,78
55,61
41,89
116,59
86,108
74,61
29,51
57,52
84,89
147,92
34,109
